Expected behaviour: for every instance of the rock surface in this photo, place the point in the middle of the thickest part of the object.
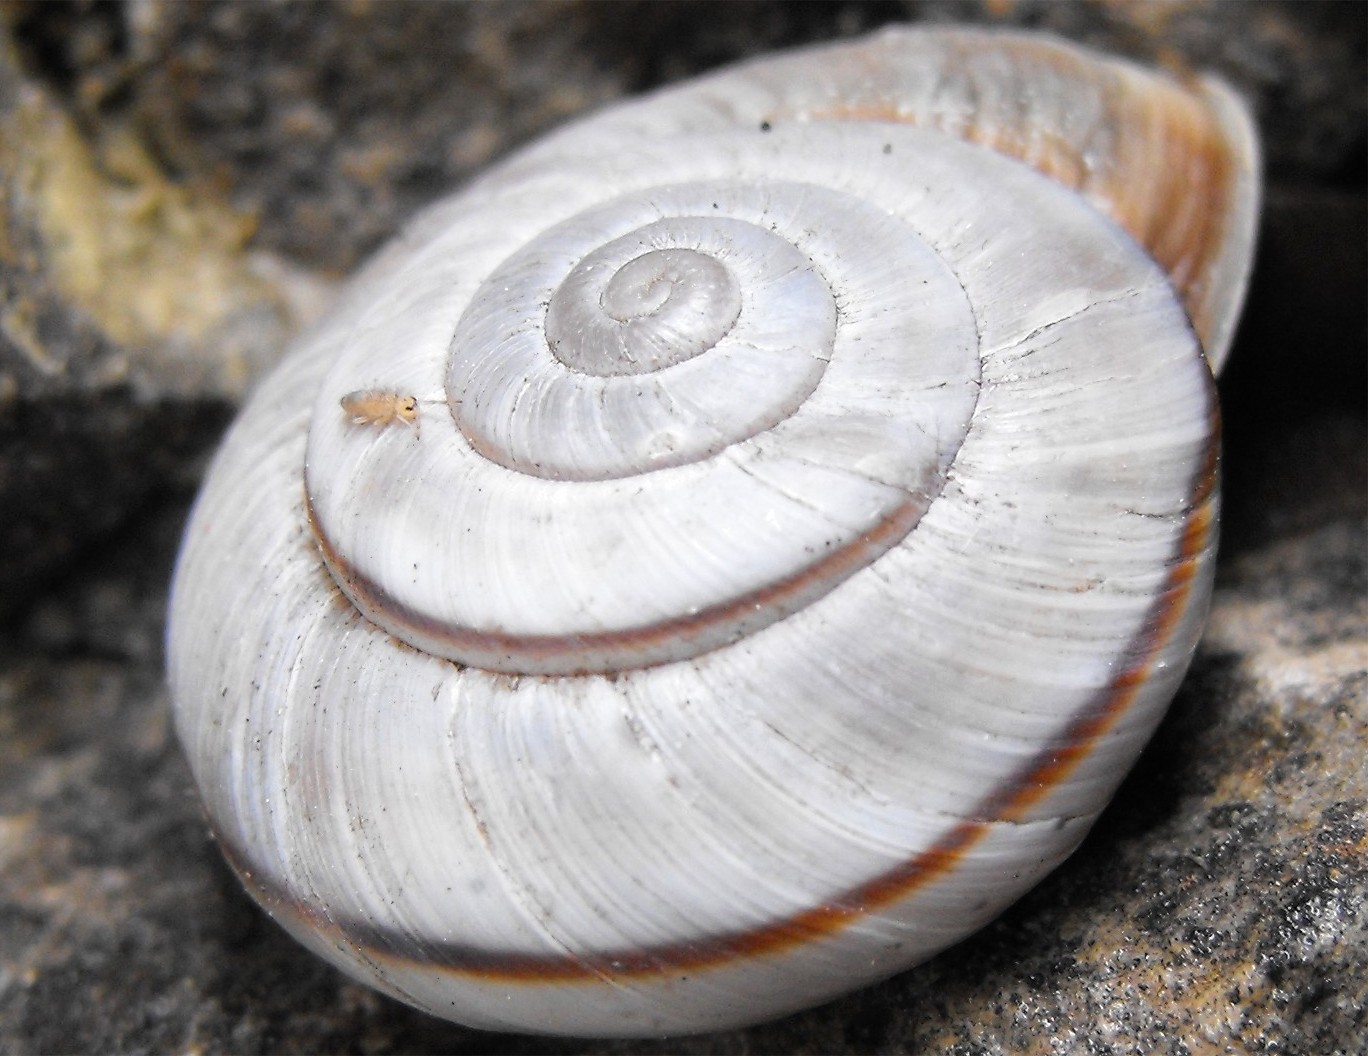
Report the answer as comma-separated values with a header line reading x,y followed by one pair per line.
x,y
1221,905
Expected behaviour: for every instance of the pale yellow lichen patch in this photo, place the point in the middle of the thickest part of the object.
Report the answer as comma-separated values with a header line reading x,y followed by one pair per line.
x,y
149,260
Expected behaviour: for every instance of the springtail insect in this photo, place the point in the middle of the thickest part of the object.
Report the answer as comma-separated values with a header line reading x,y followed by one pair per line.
x,y
380,407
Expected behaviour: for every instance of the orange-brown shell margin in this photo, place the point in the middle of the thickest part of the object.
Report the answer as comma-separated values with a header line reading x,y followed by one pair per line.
x,y
1174,162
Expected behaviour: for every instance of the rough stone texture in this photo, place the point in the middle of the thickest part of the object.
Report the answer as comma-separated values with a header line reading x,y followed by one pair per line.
x,y
1218,907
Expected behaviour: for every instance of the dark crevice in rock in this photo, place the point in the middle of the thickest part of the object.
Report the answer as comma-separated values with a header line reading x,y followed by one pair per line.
x,y
102,456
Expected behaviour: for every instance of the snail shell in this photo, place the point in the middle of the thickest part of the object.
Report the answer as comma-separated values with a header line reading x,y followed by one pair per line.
x,y
812,517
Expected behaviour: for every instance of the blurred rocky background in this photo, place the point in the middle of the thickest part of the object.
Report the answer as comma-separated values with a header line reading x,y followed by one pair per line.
x,y
181,188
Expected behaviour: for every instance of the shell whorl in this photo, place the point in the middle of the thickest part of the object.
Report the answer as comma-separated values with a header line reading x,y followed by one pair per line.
x,y
782,413
794,550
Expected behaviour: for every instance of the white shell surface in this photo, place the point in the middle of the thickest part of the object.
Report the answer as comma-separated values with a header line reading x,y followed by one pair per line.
x,y
665,685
